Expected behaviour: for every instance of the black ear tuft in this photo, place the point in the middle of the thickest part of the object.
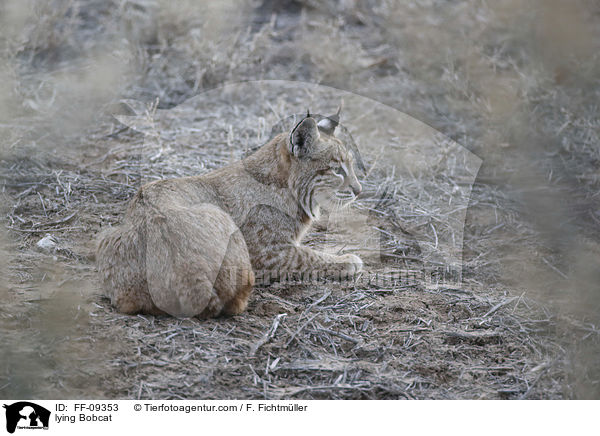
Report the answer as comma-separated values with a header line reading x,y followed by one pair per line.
x,y
303,136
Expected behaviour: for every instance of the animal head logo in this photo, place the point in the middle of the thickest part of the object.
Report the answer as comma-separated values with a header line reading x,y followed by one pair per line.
x,y
24,414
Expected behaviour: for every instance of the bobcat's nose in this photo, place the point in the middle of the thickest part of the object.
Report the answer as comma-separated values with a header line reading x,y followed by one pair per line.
x,y
356,189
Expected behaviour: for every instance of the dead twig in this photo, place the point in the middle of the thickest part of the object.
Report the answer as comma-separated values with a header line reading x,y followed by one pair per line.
x,y
269,334
496,307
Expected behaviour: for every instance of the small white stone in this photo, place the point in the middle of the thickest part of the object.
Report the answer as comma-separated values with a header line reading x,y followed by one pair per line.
x,y
48,242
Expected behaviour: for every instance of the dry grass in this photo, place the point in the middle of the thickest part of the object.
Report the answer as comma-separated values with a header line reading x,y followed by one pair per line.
x,y
523,323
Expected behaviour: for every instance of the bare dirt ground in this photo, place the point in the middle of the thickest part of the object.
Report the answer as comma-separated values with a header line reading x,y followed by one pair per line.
x,y
516,85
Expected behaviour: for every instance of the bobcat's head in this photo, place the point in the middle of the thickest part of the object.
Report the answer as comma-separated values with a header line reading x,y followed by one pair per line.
x,y
321,165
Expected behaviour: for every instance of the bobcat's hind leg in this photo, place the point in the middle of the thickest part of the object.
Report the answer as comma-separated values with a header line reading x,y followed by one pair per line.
x,y
239,302
236,274
189,251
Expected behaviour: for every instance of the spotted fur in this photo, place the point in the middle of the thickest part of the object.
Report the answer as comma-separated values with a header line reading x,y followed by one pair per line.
x,y
191,246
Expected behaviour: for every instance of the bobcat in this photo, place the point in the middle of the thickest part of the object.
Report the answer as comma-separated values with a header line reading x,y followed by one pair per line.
x,y
189,246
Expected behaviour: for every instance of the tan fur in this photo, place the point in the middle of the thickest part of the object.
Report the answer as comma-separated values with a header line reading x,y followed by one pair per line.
x,y
190,246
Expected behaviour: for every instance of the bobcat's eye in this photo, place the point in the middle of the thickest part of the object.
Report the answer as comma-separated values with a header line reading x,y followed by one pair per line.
x,y
339,170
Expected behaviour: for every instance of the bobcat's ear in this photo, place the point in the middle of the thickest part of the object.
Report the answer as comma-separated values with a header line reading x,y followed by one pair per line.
x,y
328,124
303,136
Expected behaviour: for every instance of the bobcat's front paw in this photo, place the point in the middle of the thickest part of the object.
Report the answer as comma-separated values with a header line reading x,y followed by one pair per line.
x,y
352,263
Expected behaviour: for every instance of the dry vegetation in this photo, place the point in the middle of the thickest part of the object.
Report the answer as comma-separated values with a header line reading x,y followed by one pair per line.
x,y
516,83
